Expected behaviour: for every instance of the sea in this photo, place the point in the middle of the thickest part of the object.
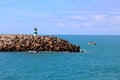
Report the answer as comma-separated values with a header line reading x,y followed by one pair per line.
x,y
97,62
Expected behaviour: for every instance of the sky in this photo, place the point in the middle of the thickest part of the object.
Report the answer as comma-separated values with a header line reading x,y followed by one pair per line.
x,y
60,17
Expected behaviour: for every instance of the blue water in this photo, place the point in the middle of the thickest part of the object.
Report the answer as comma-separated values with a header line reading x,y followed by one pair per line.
x,y
99,62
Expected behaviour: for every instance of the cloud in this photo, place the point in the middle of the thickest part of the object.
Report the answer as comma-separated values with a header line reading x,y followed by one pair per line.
x,y
90,20
99,17
66,24
61,24
79,17
88,24
74,24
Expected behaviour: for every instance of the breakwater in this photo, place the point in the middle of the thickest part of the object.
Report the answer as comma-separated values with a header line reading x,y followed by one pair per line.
x,y
21,42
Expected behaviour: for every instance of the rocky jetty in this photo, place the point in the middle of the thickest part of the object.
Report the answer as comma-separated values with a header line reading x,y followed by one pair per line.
x,y
22,42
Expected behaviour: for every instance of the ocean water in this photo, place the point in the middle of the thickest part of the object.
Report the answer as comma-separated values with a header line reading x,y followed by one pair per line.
x,y
98,62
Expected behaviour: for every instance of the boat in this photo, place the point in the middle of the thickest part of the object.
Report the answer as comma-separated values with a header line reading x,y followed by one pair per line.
x,y
82,51
91,43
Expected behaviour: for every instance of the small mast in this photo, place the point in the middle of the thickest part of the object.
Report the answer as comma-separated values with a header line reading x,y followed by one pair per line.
x,y
35,31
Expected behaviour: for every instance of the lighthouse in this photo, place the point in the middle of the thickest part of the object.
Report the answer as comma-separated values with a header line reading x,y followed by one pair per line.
x,y
35,31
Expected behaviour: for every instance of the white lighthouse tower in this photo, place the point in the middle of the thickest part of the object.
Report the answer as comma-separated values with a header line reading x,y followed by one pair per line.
x,y
35,31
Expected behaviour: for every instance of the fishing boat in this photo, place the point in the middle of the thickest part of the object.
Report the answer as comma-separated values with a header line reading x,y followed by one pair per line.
x,y
91,43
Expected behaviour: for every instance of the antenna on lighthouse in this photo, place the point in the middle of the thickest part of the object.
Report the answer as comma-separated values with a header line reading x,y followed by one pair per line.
x,y
35,31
